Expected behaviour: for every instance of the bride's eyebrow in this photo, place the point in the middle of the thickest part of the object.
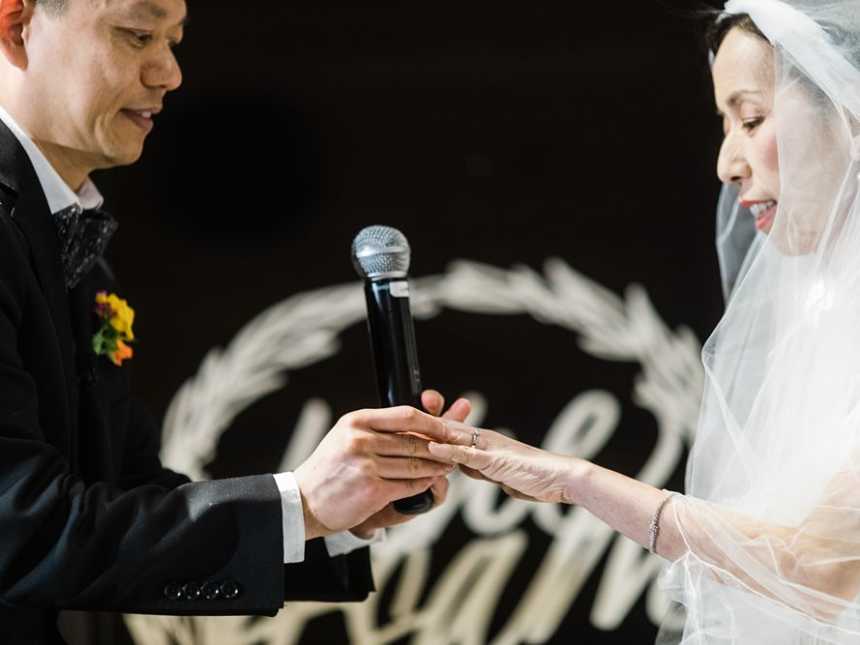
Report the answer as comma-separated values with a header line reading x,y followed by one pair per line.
x,y
735,98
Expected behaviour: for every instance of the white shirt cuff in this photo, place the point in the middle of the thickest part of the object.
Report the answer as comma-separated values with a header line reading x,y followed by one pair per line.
x,y
292,518
347,542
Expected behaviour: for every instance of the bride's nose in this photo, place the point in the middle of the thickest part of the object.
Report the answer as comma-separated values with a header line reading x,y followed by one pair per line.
x,y
732,167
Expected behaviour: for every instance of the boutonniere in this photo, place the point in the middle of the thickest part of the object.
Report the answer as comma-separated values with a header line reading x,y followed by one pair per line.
x,y
112,338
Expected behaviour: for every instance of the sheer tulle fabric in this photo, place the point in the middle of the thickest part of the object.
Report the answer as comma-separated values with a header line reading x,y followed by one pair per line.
x,y
771,515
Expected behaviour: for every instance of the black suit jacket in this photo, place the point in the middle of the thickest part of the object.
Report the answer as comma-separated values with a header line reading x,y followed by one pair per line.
x,y
89,518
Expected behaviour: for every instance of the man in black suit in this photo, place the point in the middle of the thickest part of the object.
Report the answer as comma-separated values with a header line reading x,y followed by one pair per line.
x,y
89,519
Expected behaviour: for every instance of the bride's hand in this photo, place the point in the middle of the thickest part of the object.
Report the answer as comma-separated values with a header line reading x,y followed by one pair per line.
x,y
523,471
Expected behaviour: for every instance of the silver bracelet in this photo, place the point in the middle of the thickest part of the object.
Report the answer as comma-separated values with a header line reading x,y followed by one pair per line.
x,y
654,528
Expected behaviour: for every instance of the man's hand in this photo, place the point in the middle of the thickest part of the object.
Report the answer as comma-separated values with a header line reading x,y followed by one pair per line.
x,y
366,462
434,403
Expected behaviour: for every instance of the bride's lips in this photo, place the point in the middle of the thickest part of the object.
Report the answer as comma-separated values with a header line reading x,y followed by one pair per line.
x,y
764,220
763,211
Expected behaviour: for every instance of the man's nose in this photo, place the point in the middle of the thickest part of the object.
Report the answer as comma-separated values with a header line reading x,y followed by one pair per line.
x,y
163,72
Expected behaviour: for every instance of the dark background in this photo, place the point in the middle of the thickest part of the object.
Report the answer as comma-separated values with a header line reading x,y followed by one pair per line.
x,y
501,133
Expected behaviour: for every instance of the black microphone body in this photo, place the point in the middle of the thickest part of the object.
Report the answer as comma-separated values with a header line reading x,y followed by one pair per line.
x,y
392,340
381,256
395,356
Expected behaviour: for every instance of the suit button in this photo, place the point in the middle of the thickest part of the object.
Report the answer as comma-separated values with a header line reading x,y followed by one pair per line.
x,y
173,591
230,589
191,591
211,591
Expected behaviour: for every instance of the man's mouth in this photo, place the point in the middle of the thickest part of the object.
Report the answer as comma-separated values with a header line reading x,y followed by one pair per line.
x,y
141,118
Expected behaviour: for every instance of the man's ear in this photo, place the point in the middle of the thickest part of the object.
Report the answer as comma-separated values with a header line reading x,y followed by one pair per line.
x,y
15,16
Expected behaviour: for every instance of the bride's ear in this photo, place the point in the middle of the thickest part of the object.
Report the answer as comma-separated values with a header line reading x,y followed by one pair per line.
x,y
15,16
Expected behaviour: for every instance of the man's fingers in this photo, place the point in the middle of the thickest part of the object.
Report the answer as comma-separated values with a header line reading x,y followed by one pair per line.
x,y
388,516
401,419
399,488
400,445
433,402
440,491
458,411
410,468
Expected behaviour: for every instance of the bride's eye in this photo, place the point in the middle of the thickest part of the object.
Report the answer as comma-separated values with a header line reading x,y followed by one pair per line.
x,y
751,124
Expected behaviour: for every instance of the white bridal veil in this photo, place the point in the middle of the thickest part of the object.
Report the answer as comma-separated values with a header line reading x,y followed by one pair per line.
x,y
772,511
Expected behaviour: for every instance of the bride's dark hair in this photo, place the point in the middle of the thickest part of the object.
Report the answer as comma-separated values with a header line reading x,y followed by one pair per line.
x,y
721,24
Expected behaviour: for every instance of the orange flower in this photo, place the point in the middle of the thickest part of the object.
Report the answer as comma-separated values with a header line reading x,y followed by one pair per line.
x,y
123,352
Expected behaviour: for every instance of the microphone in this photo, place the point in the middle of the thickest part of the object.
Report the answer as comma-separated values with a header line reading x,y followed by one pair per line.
x,y
381,257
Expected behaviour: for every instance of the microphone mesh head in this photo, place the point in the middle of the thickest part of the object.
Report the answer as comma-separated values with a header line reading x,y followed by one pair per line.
x,y
380,251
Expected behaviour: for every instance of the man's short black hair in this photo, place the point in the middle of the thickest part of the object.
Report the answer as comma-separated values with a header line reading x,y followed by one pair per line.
x,y
53,6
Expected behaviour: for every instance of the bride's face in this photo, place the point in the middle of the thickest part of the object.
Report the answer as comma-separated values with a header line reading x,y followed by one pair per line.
x,y
811,137
743,74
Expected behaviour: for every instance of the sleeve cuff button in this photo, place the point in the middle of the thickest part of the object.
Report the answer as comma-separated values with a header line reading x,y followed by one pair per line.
x,y
191,591
211,591
230,589
173,591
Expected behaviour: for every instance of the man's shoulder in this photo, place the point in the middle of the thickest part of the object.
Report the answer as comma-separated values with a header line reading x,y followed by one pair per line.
x,y
11,237
14,261
9,234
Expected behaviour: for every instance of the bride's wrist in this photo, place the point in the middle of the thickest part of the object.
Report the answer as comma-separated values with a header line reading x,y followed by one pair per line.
x,y
577,473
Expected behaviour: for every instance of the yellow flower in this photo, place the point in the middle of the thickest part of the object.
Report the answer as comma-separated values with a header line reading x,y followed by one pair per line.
x,y
122,316
117,318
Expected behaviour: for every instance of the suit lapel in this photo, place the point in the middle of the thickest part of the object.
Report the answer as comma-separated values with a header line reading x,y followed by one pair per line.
x,y
32,215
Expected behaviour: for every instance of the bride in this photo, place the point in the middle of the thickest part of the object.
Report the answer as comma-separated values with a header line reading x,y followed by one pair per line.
x,y
764,547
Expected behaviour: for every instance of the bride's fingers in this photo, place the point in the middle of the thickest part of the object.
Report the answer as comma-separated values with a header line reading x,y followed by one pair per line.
x,y
474,474
511,492
471,457
518,495
462,434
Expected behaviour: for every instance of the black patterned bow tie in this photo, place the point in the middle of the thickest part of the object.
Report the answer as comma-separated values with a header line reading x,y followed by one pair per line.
x,y
84,236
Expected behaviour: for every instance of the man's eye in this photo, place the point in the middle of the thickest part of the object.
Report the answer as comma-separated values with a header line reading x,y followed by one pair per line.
x,y
139,38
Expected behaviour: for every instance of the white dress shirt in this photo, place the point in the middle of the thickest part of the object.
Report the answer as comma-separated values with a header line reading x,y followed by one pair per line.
x,y
60,196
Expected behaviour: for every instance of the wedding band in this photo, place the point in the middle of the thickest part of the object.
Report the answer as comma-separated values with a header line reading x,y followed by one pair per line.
x,y
475,435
